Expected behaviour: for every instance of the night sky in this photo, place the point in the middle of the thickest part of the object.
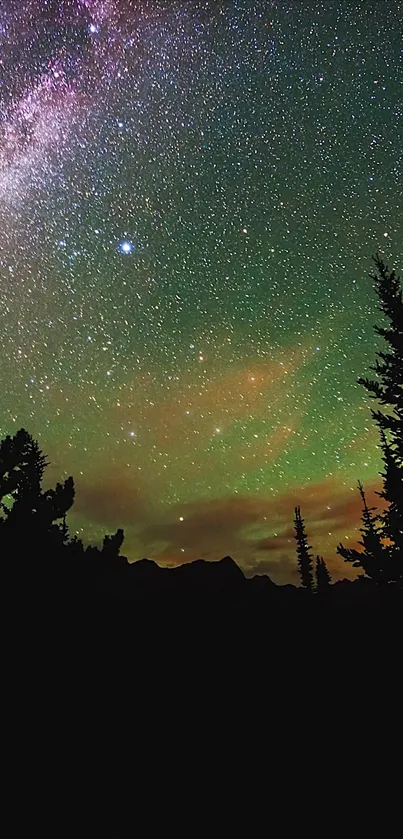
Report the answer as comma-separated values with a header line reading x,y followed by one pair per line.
x,y
190,194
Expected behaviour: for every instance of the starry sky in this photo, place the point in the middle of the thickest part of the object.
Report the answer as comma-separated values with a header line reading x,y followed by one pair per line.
x,y
190,195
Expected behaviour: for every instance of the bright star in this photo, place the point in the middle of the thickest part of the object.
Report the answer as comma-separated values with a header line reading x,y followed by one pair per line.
x,y
126,247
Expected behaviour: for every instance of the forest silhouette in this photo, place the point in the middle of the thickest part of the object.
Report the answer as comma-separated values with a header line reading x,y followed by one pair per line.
x,y
44,566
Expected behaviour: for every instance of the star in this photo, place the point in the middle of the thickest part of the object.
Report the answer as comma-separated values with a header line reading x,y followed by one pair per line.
x,y
126,247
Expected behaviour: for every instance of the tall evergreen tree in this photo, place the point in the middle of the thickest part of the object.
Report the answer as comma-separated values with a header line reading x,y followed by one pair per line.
x,y
388,390
30,514
22,466
388,386
375,559
323,578
384,543
304,557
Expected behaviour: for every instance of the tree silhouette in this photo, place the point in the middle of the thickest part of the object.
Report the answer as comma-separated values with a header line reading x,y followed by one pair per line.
x,y
304,557
375,558
22,465
323,578
382,558
112,544
392,493
30,514
388,388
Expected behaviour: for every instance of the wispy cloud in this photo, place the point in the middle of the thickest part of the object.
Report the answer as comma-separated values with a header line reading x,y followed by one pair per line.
x,y
256,530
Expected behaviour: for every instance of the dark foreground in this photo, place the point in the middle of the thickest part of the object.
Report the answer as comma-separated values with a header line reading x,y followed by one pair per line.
x,y
126,681
179,606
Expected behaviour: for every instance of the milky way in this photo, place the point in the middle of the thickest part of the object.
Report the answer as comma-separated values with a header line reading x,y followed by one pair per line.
x,y
190,194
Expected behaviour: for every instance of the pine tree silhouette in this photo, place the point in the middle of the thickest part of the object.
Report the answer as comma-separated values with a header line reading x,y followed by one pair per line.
x,y
22,465
323,578
388,389
392,493
30,514
304,557
375,558
384,541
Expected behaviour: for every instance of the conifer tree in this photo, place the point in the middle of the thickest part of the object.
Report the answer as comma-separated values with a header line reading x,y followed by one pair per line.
x,y
22,465
388,390
384,541
30,514
304,557
323,578
392,493
388,386
375,558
